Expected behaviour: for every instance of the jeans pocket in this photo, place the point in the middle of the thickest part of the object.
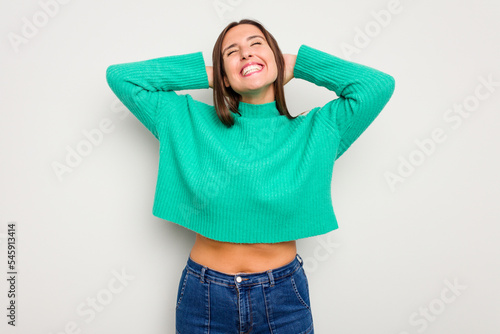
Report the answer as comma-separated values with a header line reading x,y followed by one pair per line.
x,y
182,287
288,305
301,287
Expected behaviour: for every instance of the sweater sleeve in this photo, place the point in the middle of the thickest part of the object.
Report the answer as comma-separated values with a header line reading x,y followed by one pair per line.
x,y
144,85
362,92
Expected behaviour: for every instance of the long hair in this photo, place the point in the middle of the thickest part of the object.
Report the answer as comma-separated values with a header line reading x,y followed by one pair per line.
x,y
225,98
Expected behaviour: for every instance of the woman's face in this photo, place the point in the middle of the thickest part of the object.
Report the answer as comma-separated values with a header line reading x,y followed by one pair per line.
x,y
249,64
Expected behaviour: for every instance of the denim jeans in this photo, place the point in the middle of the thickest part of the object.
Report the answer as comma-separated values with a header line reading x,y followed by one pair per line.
x,y
272,302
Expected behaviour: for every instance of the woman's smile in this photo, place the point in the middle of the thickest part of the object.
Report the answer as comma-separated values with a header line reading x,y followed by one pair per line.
x,y
251,68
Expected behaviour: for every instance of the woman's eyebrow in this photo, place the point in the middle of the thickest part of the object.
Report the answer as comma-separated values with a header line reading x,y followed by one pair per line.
x,y
234,44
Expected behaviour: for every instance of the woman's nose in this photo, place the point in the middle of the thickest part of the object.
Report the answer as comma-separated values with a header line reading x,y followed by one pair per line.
x,y
245,52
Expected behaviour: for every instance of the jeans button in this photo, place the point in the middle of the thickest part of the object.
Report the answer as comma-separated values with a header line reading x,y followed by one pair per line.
x,y
238,279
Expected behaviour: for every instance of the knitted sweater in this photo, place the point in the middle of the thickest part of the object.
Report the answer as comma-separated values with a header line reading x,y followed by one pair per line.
x,y
267,178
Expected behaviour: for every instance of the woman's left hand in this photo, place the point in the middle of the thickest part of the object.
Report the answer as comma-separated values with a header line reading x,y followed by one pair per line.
x,y
289,65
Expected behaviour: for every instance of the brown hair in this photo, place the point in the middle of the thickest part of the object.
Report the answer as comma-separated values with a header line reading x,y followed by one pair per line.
x,y
225,97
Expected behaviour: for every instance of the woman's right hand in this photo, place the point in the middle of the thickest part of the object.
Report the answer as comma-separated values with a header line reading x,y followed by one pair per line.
x,y
210,74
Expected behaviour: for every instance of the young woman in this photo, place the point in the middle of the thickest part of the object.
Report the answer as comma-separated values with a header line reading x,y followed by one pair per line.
x,y
246,176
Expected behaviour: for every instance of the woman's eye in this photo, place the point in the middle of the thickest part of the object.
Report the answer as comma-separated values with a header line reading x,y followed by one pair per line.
x,y
256,43
230,53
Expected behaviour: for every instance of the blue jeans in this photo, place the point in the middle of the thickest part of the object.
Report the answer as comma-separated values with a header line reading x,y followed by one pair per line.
x,y
272,302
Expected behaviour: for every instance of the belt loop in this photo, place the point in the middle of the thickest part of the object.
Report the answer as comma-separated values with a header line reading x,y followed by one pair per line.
x,y
300,260
202,277
271,277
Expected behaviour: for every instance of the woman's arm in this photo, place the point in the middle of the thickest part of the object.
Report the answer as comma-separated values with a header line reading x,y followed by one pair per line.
x,y
362,92
144,86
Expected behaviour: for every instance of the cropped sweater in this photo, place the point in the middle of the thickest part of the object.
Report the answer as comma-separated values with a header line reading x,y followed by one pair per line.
x,y
267,178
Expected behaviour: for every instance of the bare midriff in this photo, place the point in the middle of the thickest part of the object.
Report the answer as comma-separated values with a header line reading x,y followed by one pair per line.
x,y
233,258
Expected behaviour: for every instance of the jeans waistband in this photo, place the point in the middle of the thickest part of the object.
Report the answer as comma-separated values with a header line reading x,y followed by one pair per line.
x,y
241,279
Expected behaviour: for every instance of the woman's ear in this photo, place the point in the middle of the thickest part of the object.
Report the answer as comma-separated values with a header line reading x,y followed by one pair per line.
x,y
226,81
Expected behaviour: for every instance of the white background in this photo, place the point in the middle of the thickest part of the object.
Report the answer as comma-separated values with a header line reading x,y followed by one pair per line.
x,y
384,271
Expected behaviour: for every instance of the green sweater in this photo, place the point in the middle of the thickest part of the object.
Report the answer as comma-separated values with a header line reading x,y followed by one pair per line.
x,y
267,178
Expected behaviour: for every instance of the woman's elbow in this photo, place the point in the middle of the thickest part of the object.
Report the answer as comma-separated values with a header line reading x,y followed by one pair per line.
x,y
112,75
390,85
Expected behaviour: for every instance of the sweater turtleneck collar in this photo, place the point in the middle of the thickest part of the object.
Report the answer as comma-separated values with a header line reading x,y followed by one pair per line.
x,y
264,110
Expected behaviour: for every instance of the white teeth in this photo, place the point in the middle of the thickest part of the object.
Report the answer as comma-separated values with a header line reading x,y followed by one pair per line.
x,y
251,68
